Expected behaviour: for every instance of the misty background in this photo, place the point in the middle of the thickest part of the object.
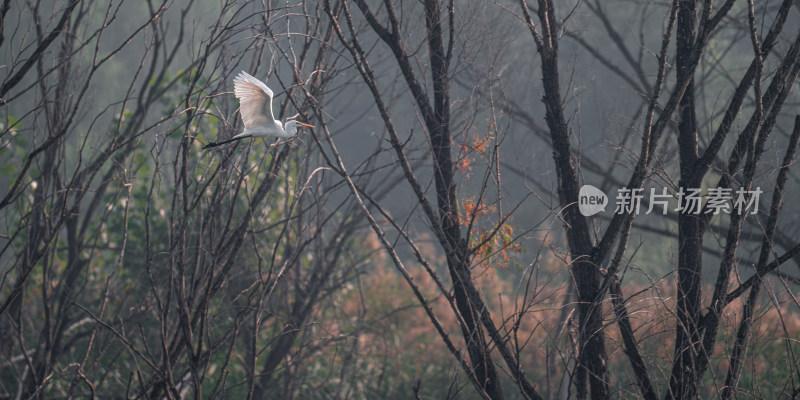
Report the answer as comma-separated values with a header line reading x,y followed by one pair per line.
x,y
134,263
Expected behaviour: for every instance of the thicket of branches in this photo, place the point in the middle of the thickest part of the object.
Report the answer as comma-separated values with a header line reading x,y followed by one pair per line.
x,y
417,242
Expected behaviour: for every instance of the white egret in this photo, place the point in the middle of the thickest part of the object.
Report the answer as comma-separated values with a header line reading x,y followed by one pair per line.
x,y
255,105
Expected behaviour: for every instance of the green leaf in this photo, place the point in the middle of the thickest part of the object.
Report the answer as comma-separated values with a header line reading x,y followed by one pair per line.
x,y
8,169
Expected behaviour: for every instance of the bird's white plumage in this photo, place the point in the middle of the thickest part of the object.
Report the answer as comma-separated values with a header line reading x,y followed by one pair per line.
x,y
255,105
255,100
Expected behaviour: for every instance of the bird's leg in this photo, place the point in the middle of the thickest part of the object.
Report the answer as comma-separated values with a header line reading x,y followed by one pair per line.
x,y
215,144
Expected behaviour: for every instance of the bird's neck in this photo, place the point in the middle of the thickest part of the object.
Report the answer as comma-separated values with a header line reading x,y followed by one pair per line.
x,y
282,131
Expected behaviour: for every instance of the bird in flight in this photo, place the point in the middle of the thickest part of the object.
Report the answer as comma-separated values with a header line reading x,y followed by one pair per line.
x,y
255,105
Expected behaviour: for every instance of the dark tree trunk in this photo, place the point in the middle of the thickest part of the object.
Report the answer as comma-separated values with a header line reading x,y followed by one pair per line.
x,y
585,272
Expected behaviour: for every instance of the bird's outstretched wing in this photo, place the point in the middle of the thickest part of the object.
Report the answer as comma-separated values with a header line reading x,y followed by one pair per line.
x,y
255,100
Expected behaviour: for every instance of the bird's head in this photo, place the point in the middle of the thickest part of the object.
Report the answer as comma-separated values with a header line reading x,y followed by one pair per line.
x,y
291,126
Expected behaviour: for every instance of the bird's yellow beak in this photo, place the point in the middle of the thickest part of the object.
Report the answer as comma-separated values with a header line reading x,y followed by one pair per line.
x,y
307,125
